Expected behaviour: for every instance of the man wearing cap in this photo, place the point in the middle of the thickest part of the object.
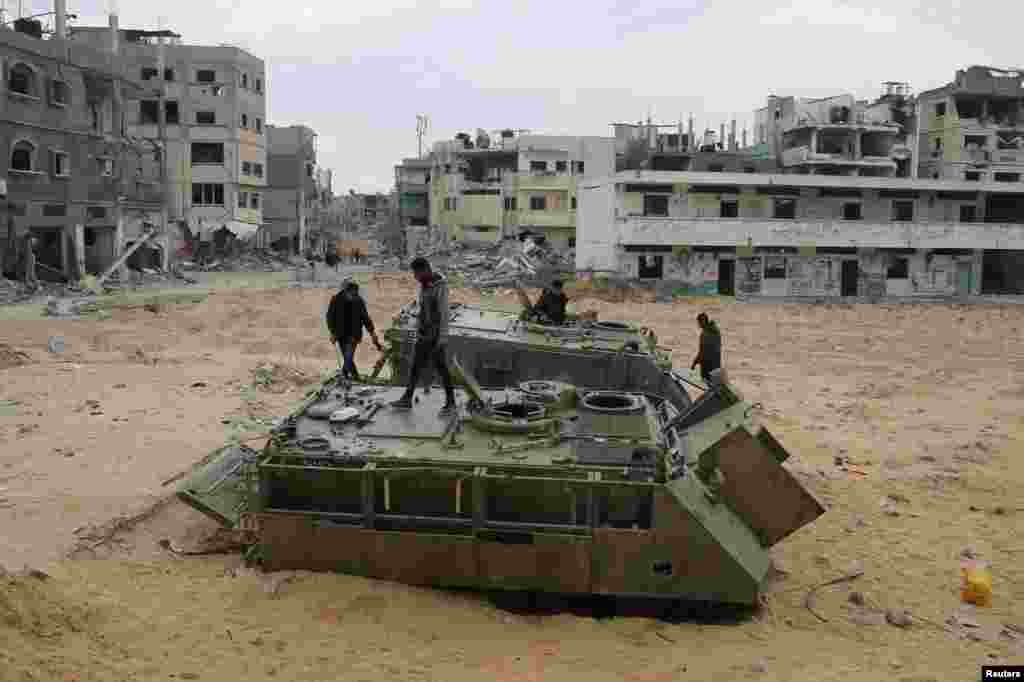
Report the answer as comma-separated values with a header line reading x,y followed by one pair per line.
x,y
346,317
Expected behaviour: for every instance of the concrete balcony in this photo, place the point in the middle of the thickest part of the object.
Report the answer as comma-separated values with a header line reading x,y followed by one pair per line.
x,y
976,156
547,218
799,156
473,186
1007,156
414,188
834,233
562,181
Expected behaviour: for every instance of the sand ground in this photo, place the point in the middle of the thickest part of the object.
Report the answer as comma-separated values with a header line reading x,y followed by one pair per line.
x,y
906,420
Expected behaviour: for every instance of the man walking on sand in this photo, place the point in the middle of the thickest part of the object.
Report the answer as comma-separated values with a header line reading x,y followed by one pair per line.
x,y
346,317
709,355
431,335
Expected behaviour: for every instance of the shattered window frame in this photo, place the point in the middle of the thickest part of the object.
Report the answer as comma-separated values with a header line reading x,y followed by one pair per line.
x,y
207,194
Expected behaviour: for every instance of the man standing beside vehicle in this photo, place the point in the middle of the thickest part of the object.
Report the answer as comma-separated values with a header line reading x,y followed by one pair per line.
x,y
346,317
709,353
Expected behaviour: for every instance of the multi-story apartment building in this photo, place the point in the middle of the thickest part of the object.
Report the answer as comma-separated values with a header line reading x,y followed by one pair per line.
x,y
212,122
973,128
411,204
483,192
292,199
839,135
803,235
73,180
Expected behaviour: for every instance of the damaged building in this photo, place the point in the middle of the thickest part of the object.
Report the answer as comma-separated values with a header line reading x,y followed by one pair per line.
x,y
412,205
840,135
295,197
483,190
75,181
799,235
650,146
207,104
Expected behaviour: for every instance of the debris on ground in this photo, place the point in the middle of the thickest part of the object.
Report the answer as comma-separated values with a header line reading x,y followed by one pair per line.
x,y
278,378
531,262
255,260
901,618
12,357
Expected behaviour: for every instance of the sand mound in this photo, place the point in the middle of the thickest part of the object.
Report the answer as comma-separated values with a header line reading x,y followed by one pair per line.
x,y
12,357
31,605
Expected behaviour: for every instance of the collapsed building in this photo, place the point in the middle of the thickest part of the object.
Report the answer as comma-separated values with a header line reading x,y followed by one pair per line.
x,y
840,135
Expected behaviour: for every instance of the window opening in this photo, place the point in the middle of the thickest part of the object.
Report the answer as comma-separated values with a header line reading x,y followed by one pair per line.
x,y
899,268
22,80
902,211
207,153
784,209
207,194
22,156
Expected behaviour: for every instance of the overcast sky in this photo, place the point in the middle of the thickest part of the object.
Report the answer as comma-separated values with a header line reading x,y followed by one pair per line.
x,y
359,72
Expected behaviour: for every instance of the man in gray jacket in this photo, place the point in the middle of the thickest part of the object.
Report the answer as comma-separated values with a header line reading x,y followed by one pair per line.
x,y
431,334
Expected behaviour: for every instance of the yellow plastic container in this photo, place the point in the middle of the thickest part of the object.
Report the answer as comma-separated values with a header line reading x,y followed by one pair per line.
x,y
977,586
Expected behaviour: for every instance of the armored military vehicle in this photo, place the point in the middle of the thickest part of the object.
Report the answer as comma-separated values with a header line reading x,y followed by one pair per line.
x,y
501,346
581,467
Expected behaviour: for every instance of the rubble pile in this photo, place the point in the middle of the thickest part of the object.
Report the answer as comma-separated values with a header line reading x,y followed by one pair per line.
x,y
528,262
12,291
248,261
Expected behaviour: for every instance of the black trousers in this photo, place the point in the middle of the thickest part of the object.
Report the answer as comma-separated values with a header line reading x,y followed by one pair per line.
x,y
430,353
705,372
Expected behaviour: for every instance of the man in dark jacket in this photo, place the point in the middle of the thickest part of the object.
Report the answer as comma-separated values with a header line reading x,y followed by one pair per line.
x,y
709,357
346,317
431,334
552,302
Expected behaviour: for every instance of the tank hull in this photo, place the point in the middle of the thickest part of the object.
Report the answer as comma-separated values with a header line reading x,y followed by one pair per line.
x,y
678,557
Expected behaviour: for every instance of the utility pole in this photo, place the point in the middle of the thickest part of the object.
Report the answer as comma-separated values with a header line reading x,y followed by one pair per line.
x,y
422,124
162,155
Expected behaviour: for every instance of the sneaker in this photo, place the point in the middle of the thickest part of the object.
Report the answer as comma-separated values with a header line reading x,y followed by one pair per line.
x,y
403,403
449,408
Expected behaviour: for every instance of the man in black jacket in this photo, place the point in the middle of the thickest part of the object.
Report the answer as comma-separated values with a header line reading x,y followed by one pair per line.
x,y
346,317
552,302
709,356
431,334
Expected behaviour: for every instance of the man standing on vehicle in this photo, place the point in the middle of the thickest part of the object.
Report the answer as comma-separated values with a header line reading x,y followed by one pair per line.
x,y
552,302
346,317
431,334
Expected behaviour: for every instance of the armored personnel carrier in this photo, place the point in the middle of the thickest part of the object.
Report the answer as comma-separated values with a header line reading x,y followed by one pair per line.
x,y
501,346
578,465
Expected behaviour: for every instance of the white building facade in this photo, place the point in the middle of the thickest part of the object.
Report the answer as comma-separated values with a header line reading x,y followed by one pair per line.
x,y
801,235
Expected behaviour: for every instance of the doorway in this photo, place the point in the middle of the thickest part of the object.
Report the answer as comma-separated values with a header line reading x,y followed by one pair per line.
x,y
727,277
963,278
848,283
50,253
651,267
